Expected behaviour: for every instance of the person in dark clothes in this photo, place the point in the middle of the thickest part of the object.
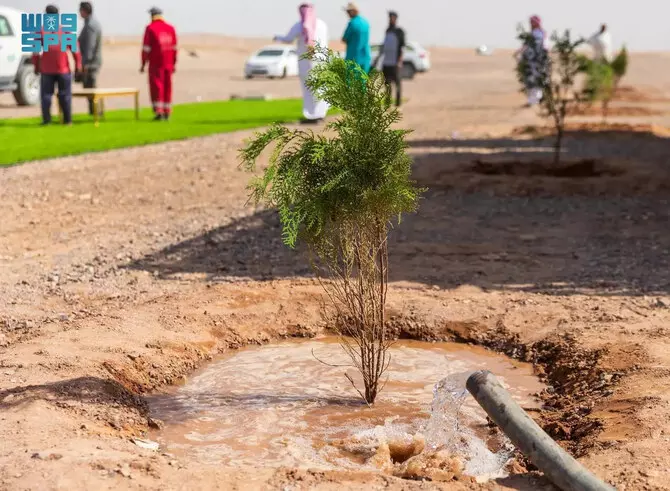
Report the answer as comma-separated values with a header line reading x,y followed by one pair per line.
x,y
54,67
90,47
391,51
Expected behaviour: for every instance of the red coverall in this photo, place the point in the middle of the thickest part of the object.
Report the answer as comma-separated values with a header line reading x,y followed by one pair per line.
x,y
160,50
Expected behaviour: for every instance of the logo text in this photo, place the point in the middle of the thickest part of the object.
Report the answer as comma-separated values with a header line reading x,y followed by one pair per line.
x,y
39,32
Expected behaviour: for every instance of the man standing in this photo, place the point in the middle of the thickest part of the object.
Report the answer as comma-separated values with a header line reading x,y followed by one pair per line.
x,y
357,38
160,51
54,67
601,42
533,59
310,31
90,47
391,51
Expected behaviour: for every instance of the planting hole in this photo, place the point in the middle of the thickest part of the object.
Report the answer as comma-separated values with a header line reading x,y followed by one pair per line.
x,y
575,170
278,406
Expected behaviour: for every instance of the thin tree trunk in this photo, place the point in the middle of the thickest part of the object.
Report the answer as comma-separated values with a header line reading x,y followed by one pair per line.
x,y
558,145
606,104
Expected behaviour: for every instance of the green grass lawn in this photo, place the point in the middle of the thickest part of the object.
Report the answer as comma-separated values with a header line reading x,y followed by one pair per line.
x,y
24,139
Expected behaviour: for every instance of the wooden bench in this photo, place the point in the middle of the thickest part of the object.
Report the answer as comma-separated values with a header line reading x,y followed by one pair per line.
x,y
98,96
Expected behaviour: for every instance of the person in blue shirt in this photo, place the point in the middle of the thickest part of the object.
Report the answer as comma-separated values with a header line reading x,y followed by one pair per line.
x,y
357,38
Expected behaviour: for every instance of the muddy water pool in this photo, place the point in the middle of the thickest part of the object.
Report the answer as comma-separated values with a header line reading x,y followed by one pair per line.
x,y
277,405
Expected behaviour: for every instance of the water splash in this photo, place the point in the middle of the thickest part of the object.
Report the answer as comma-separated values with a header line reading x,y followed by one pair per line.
x,y
485,451
448,396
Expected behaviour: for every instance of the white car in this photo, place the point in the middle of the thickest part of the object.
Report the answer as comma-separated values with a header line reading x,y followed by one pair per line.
x,y
273,62
416,59
484,50
17,74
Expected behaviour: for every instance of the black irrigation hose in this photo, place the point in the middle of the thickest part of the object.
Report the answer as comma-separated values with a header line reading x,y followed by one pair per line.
x,y
559,466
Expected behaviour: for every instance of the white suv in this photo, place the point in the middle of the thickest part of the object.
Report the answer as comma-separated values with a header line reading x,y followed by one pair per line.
x,y
17,74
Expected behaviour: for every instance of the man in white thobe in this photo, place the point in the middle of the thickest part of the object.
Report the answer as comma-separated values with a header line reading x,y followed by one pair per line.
x,y
309,31
601,42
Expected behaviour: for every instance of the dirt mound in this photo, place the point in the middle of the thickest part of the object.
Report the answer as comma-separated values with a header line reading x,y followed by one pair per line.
x,y
579,379
518,179
576,170
596,128
518,175
631,94
621,111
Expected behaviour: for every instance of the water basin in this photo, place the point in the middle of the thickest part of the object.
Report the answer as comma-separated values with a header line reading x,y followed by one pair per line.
x,y
278,405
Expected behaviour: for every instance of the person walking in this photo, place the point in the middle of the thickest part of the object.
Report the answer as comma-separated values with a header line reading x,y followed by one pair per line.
x,y
357,38
309,31
601,42
160,52
391,53
534,54
90,47
53,66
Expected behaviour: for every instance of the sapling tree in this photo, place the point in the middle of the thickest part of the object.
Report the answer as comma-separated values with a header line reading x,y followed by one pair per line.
x,y
620,66
558,73
339,192
600,84
603,78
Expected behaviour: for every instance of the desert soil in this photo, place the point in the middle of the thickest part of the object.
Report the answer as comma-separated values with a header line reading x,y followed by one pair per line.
x,y
124,271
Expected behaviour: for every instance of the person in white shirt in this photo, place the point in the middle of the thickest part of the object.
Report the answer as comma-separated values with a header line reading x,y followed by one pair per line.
x,y
601,42
309,31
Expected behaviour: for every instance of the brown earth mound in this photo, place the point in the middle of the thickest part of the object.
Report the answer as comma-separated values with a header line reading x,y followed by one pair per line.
x,y
631,94
623,111
596,128
578,169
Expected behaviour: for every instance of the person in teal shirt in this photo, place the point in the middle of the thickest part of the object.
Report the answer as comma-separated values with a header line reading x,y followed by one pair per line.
x,y
357,38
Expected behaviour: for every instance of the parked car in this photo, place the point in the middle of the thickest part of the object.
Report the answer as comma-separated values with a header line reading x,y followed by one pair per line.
x,y
272,62
17,74
484,50
416,59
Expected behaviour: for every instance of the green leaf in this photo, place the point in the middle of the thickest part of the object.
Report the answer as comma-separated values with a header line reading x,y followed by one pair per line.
x,y
355,174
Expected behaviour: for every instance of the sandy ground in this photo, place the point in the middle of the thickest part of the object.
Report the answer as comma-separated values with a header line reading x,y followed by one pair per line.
x,y
123,271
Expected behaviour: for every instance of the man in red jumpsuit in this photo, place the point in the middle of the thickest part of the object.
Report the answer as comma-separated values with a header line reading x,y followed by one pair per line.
x,y
160,51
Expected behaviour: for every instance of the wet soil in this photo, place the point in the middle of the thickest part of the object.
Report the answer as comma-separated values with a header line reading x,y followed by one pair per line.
x,y
278,405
